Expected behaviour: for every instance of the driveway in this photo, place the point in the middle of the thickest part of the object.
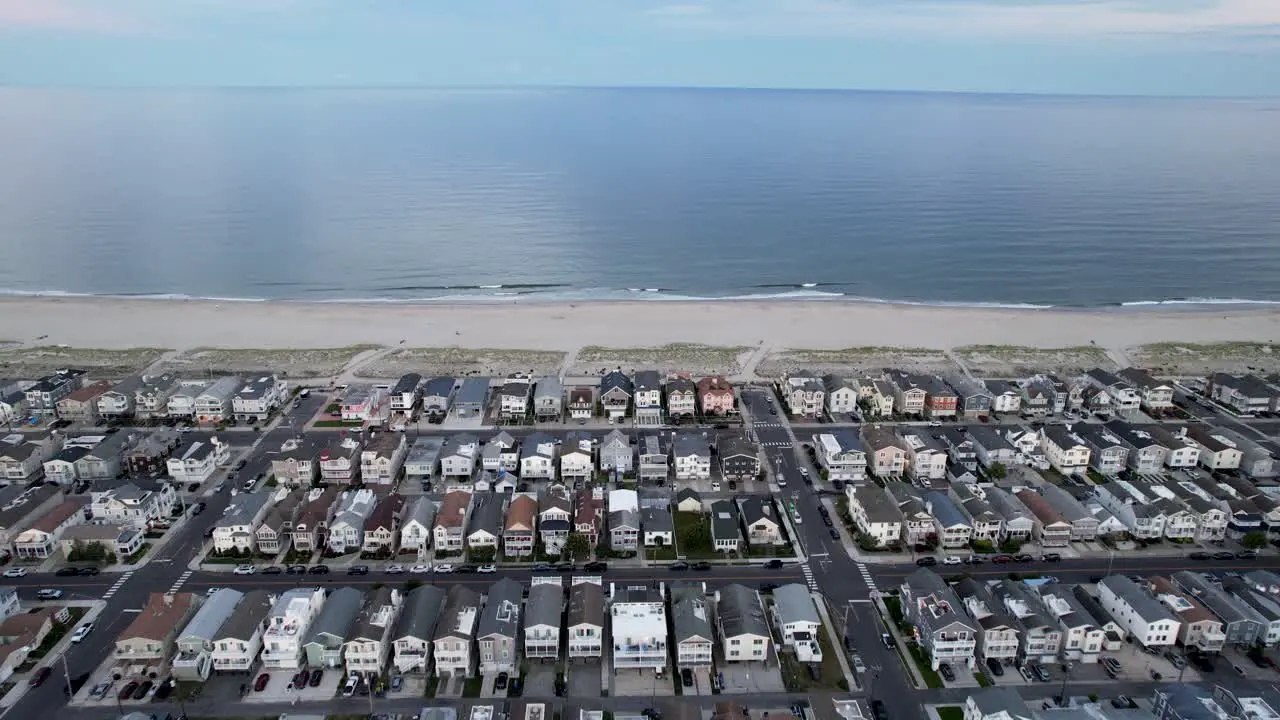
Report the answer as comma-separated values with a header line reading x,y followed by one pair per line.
x,y
583,679
541,680
751,678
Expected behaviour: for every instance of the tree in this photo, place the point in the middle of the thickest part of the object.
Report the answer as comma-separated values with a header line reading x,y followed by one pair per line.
x,y
576,546
997,470
1254,540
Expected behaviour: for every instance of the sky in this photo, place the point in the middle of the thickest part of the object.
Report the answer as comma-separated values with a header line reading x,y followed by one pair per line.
x,y
1107,47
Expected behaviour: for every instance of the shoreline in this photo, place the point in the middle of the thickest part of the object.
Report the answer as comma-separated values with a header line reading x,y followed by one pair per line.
x,y
99,322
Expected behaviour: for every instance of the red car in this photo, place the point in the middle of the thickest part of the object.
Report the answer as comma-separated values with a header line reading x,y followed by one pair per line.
x,y
261,682
1002,559
39,676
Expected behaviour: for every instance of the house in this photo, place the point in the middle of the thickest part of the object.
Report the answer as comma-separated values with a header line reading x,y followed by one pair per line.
x,y
996,703
998,630
61,468
689,500
1217,451
1065,450
803,394
1084,526
648,398
484,527
582,403
548,399
195,644
297,463
148,640
415,628
513,398
616,453
987,524
42,396
132,505
455,634
150,398
942,626
236,529
691,453
404,394
928,458
1146,454
258,398
886,456
991,448
615,394
288,623
542,619
950,524
346,531
213,403
117,401
362,402
1027,442
415,529
13,403
908,393
1242,624
108,537
691,626
1083,636
1136,609
973,398
1124,399
577,456
1155,396
1039,633
332,626
624,520
654,452
21,633
382,527
919,527
1247,394
841,395
797,621
585,619
22,455
658,527
739,460
1108,454
1265,607
81,404
459,455
21,506
875,513
724,527
682,398
382,457
238,641
1199,627
555,518
182,400
588,515
841,454
760,522
715,396
498,631
1143,517
638,616
1257,461
42,538
436,394
518,531
538,455
276,528
1051,529
369,642
311,528
339,459
423,457
195,461
744,632
150,456
1005,396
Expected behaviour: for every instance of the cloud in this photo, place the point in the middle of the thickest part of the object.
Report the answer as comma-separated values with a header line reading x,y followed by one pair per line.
x,y
65,15
1009,19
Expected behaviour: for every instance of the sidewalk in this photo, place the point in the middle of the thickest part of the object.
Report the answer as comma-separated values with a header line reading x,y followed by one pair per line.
x,y
837,647
904,655
55,654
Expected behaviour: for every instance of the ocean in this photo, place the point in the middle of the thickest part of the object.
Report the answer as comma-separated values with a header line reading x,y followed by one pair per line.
x,y
419,195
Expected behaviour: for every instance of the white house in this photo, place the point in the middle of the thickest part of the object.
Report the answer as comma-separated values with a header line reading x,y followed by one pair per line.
x,y
803,393
542,618
288,623
744,631
368,644
419,519
842,455
842,395
213,404
133,506
797,621
1065,451
1138,611
451,521
459,455
455,635
411,638
538,455
639,620
255,401
236,529
382,457
1005,396
577,457
346,531
513,397
197,460
875,513
238,641
692,456
691,626
585,619
928,457
363,403
1217,452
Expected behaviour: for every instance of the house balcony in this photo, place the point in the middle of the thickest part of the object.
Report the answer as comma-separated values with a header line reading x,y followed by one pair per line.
x,y
585,649
545,649
1212,641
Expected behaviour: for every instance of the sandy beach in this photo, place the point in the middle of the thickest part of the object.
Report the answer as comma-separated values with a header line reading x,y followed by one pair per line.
x,y
116,323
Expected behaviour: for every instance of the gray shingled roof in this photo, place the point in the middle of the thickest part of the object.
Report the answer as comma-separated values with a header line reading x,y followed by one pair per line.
x,y
501,614
586,604
656,520
337,616
794,604
211,616
420,613
250,612
1144,604
741,612
546,601
689,612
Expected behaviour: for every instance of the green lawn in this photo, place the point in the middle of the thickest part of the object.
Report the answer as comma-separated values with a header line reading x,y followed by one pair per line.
x,y
337,423
667,552
56,633
134,558
471,687
921,658
695,545
796,675
950,712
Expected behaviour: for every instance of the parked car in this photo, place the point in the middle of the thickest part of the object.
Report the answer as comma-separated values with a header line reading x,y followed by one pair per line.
x,y
1051,557
1024,558
143,689
686,677
39,676
394,569
1041,674
1247,555
678,565
835,534
318,570
1001,559
17,572
261,683
501,682
82,632
358,570
88,571
1194,556
858,666
995,666
596,566
701,565
296,569
1224,555
951,560
878,710
271,570
773,564
316,676
444,568
420,569
467,568
244,570
126,692
62,572
164,689
888,641
947,673
487,569
926,561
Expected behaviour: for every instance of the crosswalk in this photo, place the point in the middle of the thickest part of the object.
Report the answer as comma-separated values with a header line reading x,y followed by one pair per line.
x,y
124,578
865,572
808,577
181,579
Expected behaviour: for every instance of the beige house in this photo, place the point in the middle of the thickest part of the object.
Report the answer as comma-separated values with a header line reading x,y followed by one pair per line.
x,y
886,456
82,405
148,641
41,539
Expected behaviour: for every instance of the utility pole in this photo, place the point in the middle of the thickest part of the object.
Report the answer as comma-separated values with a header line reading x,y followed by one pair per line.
x,y
66,674
1062,696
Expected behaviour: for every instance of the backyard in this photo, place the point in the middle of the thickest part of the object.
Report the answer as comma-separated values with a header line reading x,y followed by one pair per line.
x,y
796,675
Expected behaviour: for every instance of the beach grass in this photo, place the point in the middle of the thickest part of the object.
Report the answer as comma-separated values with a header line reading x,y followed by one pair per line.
x,y
290,362
855,359
42,359
691,357
1019,360
464,361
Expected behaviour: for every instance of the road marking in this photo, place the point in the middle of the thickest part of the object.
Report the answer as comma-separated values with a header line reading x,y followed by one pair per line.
x,y
866,575
863,601
808,577
124,577
181,579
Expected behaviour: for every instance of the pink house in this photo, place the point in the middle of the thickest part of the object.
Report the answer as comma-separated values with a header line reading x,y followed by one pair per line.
x,y
716,395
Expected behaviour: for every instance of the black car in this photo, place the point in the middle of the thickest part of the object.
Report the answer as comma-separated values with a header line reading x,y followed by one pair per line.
x,y
768,587
773,564
142,690
318,570
996,668
501,682
678,565
686,677
296,570
822,510
703,565
566,567
947,673
878,710
596,566
1023,558
316,676
1197,556
543,567
126,692
88,571
835,534
467,568
67,572
240,465
197,508
1051,557
272,570
165,689
927,560
826,520
358,570
1224,555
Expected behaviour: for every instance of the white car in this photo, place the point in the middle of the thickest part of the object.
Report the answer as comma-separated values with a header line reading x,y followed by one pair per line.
x,y
245,570
15,572
935,423
48,594
211,591
951,560
804,472
394,570
420,569
82,632
444,568
487,569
